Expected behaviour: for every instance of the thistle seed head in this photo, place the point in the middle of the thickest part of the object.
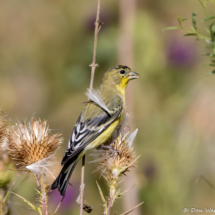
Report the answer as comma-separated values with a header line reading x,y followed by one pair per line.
x,y
28,145
3,137
3,131
116,162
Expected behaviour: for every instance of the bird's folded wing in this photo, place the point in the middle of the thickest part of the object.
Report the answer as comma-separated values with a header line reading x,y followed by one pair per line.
x,y
86,131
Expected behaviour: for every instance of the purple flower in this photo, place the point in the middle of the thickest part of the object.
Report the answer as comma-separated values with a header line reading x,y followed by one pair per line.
x,y
69,200
181,54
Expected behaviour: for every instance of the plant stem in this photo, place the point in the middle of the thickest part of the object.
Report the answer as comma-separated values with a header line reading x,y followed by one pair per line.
x,y
112,179
43,194
112,197
97,28
82,186
93,67
44,197
38,182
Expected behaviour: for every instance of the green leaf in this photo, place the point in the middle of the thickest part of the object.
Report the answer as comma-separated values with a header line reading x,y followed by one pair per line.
x,y
209,47
208,18
179,19
29,203
128,212
207,54
202,4
183,20
5,198
190,34
194,20
210,64
207,30
212,30
193,29
101,194
170,28
211,73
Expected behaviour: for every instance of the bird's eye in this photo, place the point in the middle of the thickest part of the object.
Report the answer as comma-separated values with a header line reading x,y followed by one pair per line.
x,y
122,72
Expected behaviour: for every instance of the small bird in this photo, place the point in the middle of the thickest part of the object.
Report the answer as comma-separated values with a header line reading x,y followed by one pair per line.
x,y
97,122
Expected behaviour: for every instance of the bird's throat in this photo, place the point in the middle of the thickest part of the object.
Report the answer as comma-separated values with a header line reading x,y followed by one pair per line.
x,y
122,86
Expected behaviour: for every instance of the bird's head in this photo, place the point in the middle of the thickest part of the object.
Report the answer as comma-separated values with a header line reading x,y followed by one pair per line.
x,y
119,76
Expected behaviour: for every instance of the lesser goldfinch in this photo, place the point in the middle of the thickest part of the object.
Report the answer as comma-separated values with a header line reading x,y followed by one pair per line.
x,y
97,122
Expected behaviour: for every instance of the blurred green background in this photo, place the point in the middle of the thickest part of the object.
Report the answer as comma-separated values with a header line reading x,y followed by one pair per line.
x,y
46,48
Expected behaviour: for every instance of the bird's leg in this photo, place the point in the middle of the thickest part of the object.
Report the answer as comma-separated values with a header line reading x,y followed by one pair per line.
x,y
109,147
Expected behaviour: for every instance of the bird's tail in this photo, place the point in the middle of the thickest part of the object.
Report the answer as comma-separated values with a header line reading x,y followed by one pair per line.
x,y
62,180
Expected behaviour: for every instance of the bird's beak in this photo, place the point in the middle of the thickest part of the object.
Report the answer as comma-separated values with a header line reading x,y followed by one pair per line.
x,y
133,75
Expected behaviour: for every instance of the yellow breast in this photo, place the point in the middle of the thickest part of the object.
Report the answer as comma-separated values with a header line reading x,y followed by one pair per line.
x,y
102,138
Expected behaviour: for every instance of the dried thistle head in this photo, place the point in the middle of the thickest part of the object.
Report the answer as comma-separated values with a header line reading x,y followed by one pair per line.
x,y
3,137
3,130
28,145
116,162
5,176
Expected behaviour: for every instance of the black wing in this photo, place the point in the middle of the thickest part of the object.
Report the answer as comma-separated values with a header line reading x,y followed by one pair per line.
x,y
86,131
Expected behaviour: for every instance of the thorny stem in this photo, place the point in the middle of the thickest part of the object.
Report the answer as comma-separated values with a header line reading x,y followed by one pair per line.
x,y
44,197
42,189
111,198
38,182
113,177
93,67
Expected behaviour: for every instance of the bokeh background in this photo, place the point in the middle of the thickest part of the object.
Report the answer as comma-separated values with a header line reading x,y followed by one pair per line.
x,y
46,48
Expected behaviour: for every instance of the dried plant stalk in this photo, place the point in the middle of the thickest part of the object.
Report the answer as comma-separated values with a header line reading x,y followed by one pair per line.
x,y
93,68
115,163
31,148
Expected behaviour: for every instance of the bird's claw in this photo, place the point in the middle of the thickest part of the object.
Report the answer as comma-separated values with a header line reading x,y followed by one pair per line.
x,y
109,147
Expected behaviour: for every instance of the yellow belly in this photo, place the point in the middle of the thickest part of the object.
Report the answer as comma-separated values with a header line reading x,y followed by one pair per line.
x,y
102,138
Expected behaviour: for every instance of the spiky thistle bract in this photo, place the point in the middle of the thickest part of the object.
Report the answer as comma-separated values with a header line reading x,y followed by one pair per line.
x,y
32,143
